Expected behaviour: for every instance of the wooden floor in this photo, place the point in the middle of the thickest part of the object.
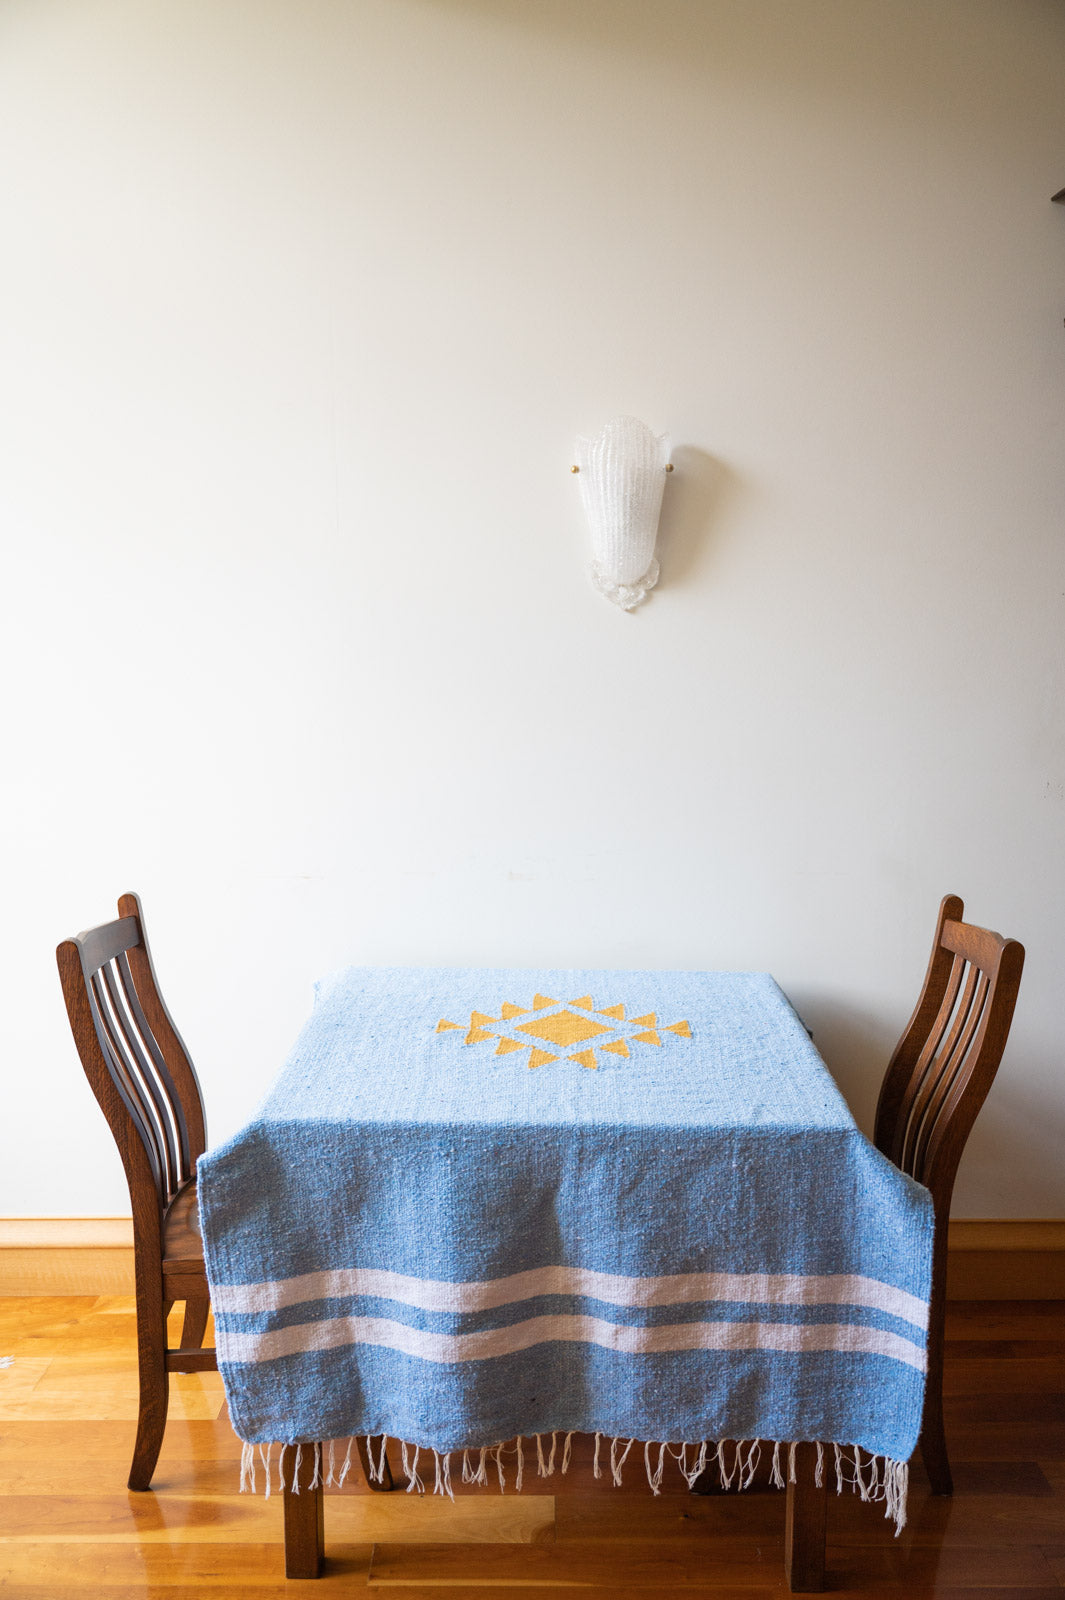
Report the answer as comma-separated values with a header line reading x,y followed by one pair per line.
x,y
69,1527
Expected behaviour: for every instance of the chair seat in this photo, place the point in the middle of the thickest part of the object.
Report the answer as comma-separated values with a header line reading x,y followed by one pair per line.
x,y
182,1240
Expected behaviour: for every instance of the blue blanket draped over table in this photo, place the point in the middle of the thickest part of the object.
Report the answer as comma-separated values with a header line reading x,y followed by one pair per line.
x,y
480,1204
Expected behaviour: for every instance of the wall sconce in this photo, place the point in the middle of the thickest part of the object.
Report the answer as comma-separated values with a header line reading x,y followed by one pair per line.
x,y
622,475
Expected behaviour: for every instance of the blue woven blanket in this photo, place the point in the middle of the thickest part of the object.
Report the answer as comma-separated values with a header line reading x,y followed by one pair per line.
x,y
484,1204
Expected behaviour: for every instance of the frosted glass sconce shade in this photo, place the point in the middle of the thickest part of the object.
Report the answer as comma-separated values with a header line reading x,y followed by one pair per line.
x,y
622,475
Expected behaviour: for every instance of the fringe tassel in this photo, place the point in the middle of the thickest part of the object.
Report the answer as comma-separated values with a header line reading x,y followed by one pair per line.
x,y
875,1479
442,1483
410,1468
616,1461
654,1474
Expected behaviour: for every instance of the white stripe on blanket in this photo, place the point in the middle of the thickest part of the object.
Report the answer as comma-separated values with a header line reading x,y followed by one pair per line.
x,y
629,1340
682,1288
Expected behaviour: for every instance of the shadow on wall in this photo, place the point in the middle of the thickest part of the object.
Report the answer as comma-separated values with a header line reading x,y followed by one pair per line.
x,y
701,492
856,1048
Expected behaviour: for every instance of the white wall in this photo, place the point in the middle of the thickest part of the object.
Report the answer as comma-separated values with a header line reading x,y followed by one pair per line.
x,y
303,304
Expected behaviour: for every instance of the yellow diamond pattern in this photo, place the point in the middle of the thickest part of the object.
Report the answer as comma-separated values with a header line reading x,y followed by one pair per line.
x,y
564,1028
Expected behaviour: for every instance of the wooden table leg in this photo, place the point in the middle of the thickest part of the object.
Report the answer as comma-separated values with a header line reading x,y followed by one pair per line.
x,y
804,1527
304,1511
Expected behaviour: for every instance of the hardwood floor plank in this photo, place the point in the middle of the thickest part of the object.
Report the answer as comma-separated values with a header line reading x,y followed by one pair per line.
x,y
490,1590
589,1517
1014,1406
866,1568
140,1519
126,1570
1042,1375
1022,1478
91,1440
19,1382
342,1582
963,1522
661,1565
378,1518
1005,1349
67,1478
251,1518
1054,1556
1005,1319
1001,1442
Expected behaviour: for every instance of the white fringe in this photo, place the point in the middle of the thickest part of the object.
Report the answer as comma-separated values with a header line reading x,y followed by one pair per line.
x,y
616,1461
875,1479
442,1483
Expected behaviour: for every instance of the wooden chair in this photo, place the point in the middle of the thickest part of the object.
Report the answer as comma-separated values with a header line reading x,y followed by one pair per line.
x,y
141,1074
146,1085
935,1084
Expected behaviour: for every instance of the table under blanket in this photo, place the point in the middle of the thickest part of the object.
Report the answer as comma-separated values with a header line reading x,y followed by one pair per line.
x,y
482,1204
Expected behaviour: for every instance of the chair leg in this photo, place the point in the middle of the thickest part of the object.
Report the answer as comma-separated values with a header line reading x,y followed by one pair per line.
x,y
373,1453
804,1526
154,1397
934,1446
194,1326
933,1439
304,1511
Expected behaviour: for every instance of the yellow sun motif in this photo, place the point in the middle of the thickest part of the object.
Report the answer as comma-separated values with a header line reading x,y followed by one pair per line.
x,y
564,1028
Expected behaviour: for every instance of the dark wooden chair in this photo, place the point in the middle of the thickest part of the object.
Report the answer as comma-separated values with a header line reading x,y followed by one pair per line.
x,y
141,1074
935,1084
146,1085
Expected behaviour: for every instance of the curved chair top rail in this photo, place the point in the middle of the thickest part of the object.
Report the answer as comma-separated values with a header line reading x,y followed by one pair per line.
x,y
947,1058
132,1054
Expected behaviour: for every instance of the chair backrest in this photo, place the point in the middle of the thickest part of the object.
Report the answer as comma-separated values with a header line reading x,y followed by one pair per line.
x,y
139,1070
946,1060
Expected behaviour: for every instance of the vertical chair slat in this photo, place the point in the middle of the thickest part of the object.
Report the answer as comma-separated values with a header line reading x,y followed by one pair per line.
x,y
950,1026
164,1031
183,1158
154,1099
956,1067
127,1086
